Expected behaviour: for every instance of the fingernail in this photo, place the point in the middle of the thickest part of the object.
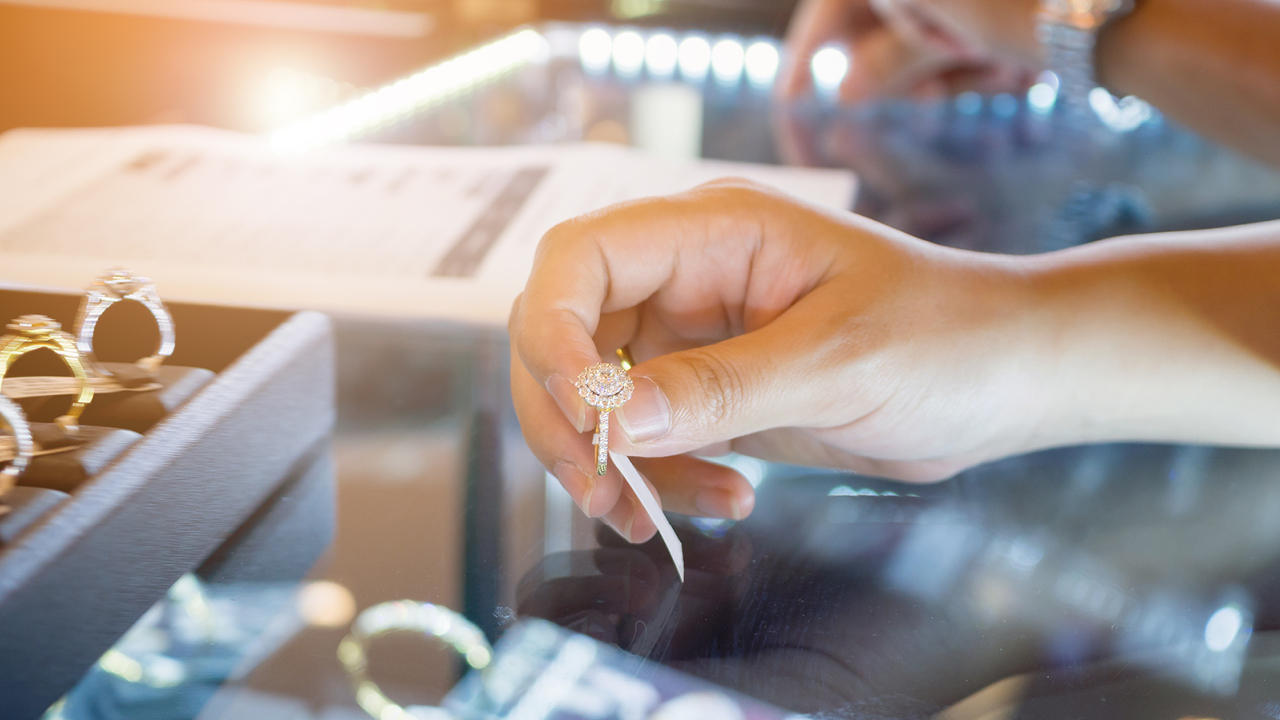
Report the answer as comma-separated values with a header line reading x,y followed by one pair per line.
x,y
718,503
571,404
624,535
647,415
577,483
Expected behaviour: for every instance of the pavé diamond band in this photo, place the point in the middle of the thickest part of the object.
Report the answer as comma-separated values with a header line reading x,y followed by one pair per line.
x,y
604,387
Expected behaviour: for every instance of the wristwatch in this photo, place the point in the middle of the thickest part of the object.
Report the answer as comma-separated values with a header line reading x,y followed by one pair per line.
x,y
1068,30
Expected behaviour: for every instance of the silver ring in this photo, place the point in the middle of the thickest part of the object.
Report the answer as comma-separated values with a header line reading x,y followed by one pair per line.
x,y
12,416
115,285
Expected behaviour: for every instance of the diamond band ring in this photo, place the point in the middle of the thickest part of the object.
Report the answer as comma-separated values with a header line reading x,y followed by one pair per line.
x,y
33,332
24,446
115,285
604,387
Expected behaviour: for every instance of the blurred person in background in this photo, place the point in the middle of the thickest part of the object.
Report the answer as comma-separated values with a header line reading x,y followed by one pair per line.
x,y
773,328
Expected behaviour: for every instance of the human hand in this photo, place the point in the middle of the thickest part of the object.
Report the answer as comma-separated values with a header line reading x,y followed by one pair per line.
x,y
915,47
775,329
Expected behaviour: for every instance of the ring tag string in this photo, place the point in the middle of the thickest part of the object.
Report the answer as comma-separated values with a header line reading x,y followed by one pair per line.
x,y
54,385
432,620
9,449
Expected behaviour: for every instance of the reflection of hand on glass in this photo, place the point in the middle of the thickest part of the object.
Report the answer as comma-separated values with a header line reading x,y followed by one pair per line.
x,y
778,624
1201,63
914,47
621,594
798,335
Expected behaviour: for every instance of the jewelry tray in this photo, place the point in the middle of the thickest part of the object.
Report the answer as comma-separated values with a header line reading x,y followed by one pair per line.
x,y
212,481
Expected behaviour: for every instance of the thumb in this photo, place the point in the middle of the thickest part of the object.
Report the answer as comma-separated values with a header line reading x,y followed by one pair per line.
x,y
690,399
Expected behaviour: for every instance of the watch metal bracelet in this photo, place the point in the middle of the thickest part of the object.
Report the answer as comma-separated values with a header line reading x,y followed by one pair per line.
x,y
1069,54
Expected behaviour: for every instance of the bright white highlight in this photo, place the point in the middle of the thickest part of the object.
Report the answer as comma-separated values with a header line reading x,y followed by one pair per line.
x,y
761,61
628,53
694,58
660,54
595,50
1124,116
1042,97
829,67
428,88
727,58
1222,628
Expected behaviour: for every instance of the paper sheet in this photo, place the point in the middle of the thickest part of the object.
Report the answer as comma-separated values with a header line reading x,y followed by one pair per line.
x,y
216,217
651,506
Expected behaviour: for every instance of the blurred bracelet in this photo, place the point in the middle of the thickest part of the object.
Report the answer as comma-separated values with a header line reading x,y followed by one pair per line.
x,y
1068,31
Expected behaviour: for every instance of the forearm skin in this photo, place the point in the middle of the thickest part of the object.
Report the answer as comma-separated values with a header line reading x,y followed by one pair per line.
x,y
1164,338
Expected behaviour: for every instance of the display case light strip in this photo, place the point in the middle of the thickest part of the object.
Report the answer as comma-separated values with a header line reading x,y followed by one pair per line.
x,y
412,94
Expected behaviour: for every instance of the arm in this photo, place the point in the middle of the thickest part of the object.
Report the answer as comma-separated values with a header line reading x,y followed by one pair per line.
x,y
793,334
1167,338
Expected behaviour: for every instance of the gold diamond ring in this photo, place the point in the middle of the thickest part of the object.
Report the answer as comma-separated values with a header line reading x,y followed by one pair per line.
x,y
33,332
604,387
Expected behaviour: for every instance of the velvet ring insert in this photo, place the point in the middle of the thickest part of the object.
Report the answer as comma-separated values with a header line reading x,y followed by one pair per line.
x,y
604,387
35,332
24,445
115,285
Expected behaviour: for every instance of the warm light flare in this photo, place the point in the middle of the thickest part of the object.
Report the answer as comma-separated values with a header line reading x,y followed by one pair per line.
x,y
415,93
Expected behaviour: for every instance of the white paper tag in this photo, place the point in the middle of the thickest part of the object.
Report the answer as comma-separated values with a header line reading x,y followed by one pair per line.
x,y
651,506
44,386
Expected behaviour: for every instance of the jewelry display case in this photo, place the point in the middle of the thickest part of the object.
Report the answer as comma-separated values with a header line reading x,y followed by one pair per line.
x,y
203,479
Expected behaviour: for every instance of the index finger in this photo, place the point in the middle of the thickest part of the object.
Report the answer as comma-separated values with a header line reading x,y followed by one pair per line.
x,y
618,258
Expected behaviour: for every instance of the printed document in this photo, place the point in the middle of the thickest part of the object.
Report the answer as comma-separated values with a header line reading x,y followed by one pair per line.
x,y
406,231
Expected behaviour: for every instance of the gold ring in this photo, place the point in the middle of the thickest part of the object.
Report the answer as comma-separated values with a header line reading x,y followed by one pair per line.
x,y
604,387
406,615
33,332
625,357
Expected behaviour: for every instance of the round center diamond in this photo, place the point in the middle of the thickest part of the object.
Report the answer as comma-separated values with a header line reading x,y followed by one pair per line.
x,y
34,325
604,386
606,380
121,282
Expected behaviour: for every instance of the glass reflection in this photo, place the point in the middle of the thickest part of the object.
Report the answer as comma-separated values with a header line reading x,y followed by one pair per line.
x,y
1122,573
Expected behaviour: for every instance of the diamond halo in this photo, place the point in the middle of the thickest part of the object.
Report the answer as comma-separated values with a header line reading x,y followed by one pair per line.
x,y
604,386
